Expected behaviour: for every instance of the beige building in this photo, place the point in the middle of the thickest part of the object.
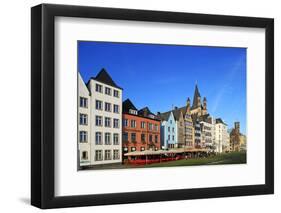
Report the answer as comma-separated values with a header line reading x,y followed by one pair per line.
x,y
189,129
235,138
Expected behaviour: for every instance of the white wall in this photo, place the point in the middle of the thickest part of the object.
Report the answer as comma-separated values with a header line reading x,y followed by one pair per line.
x,y
15,105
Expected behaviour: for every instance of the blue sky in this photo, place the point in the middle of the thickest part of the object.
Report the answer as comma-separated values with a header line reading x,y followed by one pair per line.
x,y
164,76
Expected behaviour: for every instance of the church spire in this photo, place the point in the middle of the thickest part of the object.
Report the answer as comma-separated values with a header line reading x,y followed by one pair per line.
x,y
188,105
196,98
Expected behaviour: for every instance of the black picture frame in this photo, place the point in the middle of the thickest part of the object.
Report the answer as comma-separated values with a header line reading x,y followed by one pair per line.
x,y
43,105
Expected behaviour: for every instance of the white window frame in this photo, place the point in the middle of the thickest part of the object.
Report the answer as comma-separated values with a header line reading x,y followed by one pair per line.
x,y
99,119
115,123
115,136
107,138
105,107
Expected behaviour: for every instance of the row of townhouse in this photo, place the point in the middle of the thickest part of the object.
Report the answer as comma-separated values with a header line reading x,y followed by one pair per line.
x,y
109,128
192,126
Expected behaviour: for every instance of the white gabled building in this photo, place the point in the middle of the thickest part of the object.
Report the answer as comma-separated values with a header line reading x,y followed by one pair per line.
x,y
84,124
221,135
105,118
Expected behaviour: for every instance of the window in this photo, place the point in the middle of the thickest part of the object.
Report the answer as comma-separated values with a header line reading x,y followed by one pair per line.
x,y
133,137
116,139
107,107
132,111
98,104
150,138
133,149
84,155
116,155
150,126
125,122
83,136
151,116
133,124
143,125
107,122
116,93
83,119
116,123
98,156
83,102
98,88
173,137
107,91
107,154
169,129
115,108
107,138
169,137
98,138
143,137
156,138
156,127
173,129
98,120
125,136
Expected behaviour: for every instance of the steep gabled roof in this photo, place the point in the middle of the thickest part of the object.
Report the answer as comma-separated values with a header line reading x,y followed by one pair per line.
x,y
127,105
176,112
195,97
206,118
145,109
105,78
219,120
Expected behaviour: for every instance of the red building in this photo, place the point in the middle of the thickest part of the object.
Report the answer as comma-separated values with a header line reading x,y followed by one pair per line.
x,y
141,129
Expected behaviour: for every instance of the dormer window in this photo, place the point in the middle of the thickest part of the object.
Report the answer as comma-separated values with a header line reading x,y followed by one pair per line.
x,y
151,116
131,111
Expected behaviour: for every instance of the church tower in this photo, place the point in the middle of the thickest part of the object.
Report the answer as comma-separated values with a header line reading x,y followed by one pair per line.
x,y
196,105
204,111
188,105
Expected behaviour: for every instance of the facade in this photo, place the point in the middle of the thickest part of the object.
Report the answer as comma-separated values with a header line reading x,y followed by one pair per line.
x,y
188,127
197,134
169,135
84,124
221,135
235,138
180,124
226,146
243,142
105,116
141,129
206,134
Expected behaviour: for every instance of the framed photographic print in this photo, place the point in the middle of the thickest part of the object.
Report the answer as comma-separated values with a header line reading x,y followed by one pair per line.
x,y
141,106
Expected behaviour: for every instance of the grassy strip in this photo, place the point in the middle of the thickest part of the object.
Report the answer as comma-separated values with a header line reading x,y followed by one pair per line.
x,y
229,158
